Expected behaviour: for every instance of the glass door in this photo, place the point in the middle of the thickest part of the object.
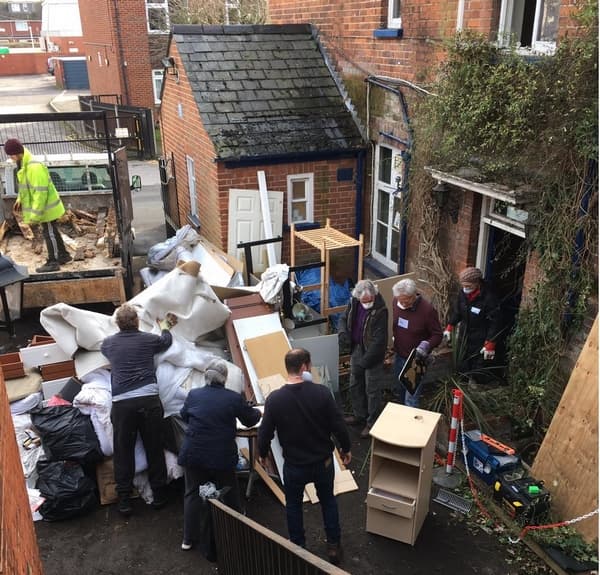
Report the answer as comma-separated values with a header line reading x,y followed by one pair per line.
x,y
386,209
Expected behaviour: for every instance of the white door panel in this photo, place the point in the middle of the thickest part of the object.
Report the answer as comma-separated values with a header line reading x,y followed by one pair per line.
x,y
246,224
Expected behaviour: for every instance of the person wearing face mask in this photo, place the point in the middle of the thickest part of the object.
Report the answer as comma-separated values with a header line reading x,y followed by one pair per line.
x,y
305,417
416,325
476,309
364,327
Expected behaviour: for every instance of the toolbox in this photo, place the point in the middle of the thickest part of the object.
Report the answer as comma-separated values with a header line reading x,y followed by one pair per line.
x,y
486,461
525,499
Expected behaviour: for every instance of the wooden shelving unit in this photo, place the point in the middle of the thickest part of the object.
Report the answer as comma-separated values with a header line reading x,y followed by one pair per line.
x,y
403,443
326,240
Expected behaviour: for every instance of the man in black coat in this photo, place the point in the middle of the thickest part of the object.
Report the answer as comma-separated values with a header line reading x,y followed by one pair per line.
x,y
305,416
477,310
365,327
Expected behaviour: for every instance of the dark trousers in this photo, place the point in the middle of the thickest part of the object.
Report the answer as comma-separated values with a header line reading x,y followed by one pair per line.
x,y
54,242
196,513
130,416
295,479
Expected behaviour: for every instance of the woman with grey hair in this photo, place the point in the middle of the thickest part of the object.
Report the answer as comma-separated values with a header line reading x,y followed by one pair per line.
x,y
415,325
209,452
365,288
364,327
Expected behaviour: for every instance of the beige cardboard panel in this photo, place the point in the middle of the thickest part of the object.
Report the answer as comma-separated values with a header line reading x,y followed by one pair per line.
x,y
271,383
267,354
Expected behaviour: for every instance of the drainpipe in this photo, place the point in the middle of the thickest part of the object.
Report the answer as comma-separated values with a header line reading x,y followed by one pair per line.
x,y
122,62
360,170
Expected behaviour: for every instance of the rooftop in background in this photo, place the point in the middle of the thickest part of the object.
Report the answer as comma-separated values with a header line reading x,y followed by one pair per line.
x,y
265,90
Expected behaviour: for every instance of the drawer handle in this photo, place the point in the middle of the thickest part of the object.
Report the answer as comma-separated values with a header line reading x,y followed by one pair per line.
x,y
388,506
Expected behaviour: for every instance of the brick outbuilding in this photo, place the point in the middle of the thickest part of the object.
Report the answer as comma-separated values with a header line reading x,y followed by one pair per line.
x,y
238,100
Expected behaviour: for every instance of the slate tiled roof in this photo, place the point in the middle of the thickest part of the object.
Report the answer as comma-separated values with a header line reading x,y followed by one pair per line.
x,y
265,90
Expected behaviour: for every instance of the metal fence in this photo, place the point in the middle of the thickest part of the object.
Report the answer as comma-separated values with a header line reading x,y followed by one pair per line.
x,y
244,546
132,126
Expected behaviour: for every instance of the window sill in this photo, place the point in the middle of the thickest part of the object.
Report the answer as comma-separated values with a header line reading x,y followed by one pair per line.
x,y
303,226
388,33
377,269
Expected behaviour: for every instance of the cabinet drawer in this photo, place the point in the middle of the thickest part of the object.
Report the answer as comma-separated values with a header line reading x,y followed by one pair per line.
x,y
390,503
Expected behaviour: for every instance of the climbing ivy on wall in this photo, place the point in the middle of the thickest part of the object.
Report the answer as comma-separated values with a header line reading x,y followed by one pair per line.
x,y
530,123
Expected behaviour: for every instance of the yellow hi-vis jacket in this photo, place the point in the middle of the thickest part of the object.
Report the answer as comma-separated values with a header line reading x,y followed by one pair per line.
x,y
39,199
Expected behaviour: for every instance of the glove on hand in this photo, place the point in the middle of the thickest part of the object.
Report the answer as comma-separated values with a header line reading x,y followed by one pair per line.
x,y
447,337
423,349
488,350
168,322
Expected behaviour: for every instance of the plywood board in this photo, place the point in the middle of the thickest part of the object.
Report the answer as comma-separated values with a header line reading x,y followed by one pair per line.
x,y
568,459
267,353
73,291
249,327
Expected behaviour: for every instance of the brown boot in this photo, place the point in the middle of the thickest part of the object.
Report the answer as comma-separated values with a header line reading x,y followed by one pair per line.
x,y
334,553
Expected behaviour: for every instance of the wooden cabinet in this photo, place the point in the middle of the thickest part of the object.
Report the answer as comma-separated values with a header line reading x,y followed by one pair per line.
x,y
403,444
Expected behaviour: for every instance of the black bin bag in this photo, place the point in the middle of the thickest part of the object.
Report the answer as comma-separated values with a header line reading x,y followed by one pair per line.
x,y
67,434
69,492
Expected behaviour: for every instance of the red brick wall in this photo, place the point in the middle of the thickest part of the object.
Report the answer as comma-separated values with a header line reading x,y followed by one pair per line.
x,y
19,554
69,46
332,199
116,39
24,64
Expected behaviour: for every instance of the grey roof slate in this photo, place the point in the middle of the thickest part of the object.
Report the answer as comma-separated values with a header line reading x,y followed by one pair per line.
x,y
265,90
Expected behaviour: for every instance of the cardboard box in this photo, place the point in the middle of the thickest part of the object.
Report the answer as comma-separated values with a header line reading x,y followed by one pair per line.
x,y
12,365
105,476
58,370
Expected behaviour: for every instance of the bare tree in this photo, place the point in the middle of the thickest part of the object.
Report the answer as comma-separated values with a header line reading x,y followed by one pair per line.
x,y
218,11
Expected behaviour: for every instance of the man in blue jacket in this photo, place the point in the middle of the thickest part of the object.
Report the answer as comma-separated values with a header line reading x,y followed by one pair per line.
x,y
209,452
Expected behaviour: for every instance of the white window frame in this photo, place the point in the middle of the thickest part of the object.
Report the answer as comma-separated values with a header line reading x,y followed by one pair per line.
x,y
157,80
391,220
309,194
505,29
394,16
164,6
191,173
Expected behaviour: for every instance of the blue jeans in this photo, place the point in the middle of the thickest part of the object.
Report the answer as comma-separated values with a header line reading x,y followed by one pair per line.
x,y
295,478
399,391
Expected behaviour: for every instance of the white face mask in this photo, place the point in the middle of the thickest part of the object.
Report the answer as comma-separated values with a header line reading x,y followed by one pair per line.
x,y
468,290
367,305
307,376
